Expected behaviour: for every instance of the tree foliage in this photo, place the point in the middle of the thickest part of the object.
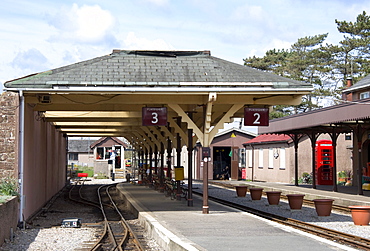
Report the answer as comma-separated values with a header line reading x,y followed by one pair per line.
x,y
353,52
325,66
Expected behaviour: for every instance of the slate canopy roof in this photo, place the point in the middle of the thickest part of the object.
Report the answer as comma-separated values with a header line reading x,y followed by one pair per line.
x,y
104,96
123,68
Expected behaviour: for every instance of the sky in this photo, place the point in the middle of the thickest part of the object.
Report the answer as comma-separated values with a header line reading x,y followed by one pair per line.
x,y
39,35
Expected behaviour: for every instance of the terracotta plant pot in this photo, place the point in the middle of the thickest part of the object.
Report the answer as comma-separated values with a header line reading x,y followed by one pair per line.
x,y
273,197
295,201
323,206
241,191
256,193
360,215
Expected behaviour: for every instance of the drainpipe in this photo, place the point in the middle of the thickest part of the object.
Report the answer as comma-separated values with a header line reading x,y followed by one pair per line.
x,y
252,161
66,162
21,157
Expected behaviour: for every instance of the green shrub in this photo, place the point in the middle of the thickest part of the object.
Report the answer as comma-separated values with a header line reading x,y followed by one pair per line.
x,y
9,187
3,199
342,174
85,169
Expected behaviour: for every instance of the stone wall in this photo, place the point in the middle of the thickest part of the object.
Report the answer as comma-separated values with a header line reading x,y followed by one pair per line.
x,y
8,133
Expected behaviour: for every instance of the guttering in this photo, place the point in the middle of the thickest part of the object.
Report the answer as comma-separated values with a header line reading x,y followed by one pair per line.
x,y
192,90
21,157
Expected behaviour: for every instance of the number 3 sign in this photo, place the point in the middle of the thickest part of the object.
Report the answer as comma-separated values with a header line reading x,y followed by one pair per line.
x,y
256,116
154,116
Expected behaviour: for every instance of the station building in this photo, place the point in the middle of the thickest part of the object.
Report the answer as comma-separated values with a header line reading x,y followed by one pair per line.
x,y
157,100
271,157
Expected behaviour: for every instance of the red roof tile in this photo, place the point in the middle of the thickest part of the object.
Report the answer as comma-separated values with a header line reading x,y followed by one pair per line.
x,y
269,138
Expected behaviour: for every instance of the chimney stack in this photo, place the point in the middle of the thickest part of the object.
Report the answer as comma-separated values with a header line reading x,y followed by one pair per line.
x,y
348,96
349,82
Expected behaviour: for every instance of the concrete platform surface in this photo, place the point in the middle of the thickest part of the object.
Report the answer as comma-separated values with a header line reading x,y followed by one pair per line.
x,y
176,226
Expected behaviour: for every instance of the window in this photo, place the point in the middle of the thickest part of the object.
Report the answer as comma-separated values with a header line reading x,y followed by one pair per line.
x,y
271,158
250,157
282,158
364,95
99,153
108,152
260,158
242,157
73,156
103,152
348,136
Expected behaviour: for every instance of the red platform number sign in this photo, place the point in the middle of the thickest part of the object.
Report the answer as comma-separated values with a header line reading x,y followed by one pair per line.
x,y
154,116
256,116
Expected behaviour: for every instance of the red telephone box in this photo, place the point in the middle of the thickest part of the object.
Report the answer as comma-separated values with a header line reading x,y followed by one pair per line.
x,y
324,162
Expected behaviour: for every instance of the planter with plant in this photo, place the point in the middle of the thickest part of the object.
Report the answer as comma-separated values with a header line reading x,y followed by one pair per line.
x,y
344,178
305,179
8,188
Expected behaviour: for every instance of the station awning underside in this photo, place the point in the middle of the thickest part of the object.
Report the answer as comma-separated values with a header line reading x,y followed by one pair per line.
x,y
104,96
341,118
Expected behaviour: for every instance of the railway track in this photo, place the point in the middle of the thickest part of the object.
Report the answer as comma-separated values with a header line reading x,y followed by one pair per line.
x,y
116,233
339,237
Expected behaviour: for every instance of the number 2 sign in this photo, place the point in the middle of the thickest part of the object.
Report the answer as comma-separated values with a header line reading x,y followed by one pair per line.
x,y
256,116
154,116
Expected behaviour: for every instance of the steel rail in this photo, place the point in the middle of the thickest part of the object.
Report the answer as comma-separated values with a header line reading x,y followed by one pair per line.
x,y
128,230
124,239
82,200
108,227
97,245
107,230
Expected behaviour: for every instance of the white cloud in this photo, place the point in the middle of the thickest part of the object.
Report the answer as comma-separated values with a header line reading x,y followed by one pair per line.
x,y
279,44
133,42
249,12
158,2
85,24
30,60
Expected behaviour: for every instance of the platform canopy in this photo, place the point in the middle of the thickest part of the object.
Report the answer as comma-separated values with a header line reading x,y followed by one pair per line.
x,y
104,96
342,117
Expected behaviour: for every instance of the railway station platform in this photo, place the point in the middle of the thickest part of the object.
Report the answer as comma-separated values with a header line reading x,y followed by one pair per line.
x,y
175,226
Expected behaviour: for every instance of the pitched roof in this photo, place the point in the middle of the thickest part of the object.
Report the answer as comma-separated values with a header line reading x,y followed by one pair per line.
x,y
119,142
269,139
363,83
124,68
79,146
236,130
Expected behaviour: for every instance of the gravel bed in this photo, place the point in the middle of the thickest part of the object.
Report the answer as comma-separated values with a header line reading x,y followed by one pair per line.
x,y
39,239
338,221
44,232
